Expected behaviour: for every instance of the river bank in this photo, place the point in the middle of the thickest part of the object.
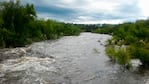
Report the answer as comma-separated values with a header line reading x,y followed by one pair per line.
x,y
69,60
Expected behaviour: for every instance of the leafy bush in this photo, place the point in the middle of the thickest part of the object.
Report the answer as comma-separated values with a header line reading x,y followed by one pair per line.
x,y
136,37
141,53
111,53
19,26
119,55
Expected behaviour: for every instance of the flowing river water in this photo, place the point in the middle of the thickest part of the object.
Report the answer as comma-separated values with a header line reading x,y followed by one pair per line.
x,y
69,60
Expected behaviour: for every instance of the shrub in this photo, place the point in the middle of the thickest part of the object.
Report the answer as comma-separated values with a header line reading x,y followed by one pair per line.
x,y
119,55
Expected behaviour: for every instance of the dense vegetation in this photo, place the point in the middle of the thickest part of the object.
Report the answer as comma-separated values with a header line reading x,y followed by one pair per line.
x,y
88,27
130,41
105,29
19,25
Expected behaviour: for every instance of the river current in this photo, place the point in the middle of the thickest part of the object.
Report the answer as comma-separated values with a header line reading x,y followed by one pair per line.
x,y
68,60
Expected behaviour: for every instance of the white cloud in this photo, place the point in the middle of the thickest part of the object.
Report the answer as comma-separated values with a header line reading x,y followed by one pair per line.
x,y
144,7
93,11
100,6
97,22
84,18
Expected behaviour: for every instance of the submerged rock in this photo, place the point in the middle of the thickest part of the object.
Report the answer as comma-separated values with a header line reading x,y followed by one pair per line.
x,y
136,62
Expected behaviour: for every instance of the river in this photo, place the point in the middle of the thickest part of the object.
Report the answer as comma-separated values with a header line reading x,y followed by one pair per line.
x,y
69,60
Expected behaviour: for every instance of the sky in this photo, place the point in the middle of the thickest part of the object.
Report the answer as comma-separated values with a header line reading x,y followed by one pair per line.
x,y
91,11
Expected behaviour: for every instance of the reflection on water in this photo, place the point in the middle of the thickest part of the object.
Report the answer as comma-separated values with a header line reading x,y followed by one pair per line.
x,y
69,60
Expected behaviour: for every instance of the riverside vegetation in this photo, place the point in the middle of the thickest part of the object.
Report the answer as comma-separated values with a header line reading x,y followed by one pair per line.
x,y
130,41
19,25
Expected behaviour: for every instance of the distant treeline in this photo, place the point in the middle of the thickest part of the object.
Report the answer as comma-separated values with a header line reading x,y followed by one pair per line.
x,y
19,25
106,29
132,39
88,27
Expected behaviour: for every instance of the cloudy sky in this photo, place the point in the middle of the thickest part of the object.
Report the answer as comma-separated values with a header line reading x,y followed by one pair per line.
x,y
91,11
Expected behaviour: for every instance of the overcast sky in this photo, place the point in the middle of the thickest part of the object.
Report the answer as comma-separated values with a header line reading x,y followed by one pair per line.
x,y
91,11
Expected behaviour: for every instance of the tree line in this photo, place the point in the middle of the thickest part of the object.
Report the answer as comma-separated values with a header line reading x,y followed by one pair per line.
x,y
20,26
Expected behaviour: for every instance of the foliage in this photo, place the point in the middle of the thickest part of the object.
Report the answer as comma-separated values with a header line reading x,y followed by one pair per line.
x,y
19,25
140,52
119,55
111,53
105,29
136,37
